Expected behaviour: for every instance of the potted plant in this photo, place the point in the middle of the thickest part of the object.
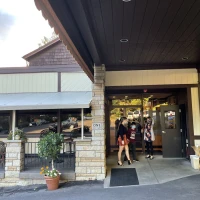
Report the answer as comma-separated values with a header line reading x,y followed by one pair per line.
x,y
49,147
18,135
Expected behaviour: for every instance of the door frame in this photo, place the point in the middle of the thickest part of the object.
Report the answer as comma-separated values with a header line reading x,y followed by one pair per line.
x,y
115,90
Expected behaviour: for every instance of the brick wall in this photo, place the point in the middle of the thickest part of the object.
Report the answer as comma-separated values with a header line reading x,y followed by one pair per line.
x,y
57,54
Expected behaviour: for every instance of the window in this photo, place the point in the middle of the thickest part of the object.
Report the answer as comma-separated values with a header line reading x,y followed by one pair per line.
x,y
170,119
37,122
71,123
5,124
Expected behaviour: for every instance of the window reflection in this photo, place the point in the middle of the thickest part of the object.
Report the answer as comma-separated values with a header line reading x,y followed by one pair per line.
x,y
4,123
71,125
37,122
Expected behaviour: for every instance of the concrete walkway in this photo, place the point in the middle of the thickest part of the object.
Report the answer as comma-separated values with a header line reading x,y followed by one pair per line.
x,y
156,171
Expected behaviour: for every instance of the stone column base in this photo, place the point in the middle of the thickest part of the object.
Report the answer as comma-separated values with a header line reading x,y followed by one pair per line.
x,y
14,163
89,162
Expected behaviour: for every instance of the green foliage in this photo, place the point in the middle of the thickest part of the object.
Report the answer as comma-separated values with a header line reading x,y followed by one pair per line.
x,y
46,40
126,102
50,145
9,136
20,133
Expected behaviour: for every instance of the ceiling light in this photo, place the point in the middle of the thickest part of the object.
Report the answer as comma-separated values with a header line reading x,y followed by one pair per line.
x,y
124,40
126,0
184,58
122,60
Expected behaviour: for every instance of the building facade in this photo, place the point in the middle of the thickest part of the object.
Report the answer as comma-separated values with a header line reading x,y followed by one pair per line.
x,y
141,63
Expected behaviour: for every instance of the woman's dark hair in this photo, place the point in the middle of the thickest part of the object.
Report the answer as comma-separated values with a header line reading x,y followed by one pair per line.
x,y
121,120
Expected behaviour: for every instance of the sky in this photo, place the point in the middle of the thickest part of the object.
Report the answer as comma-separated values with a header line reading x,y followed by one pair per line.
x,y
22,27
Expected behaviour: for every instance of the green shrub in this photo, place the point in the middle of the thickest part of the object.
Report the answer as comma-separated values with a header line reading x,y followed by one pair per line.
x,y
50,145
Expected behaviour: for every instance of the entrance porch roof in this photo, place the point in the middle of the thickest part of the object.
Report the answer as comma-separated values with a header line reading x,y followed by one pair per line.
x,y
131,35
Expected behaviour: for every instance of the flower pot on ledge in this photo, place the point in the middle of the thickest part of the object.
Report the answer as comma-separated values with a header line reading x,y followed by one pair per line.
x,y
52,182
17,137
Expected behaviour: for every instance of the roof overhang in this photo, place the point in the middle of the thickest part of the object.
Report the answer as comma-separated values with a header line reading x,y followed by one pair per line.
x,y
49,14
35,101
133,35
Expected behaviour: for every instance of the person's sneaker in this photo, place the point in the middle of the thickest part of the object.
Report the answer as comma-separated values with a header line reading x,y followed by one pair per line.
x,y
148,156
151,158
136,160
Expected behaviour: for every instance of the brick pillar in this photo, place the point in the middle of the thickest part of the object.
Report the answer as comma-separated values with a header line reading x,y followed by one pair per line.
x,y
90,154
14,158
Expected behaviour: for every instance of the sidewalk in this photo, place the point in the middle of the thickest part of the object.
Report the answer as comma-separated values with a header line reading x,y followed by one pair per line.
x,y
181,189
156,171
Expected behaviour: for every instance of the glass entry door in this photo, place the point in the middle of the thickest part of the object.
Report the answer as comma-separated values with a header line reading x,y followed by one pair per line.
x,y
133,114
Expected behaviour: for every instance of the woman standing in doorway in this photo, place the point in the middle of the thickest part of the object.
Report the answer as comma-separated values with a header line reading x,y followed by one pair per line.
x,y
149,137
122,140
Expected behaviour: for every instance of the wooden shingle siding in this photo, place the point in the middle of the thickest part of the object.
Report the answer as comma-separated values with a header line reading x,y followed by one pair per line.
x,y
151,77
56,55
35,82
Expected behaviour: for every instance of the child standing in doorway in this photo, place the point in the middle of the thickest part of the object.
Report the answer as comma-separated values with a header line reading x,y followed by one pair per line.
x,y
131,137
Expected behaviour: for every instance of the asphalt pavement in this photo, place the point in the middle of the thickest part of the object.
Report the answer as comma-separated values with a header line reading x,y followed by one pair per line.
x,y
181,189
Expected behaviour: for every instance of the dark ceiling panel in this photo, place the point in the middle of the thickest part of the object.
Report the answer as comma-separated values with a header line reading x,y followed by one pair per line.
x,y
179,20
159,32
128,16
158,20
117,11
84,25
192,18
140,8
169,17
96,18
149,16
107,17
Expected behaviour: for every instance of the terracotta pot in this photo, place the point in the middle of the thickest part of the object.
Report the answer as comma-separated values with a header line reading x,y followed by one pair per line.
x,y
52,182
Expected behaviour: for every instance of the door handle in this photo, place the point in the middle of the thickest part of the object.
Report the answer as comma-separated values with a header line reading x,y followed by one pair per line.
x,y
163,132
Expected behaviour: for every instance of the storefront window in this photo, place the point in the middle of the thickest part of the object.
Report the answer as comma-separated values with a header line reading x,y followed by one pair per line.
x,y
71,123
37,122
4,124
87,124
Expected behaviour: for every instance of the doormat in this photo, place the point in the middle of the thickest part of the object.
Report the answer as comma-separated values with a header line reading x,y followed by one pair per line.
x,y
123,177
